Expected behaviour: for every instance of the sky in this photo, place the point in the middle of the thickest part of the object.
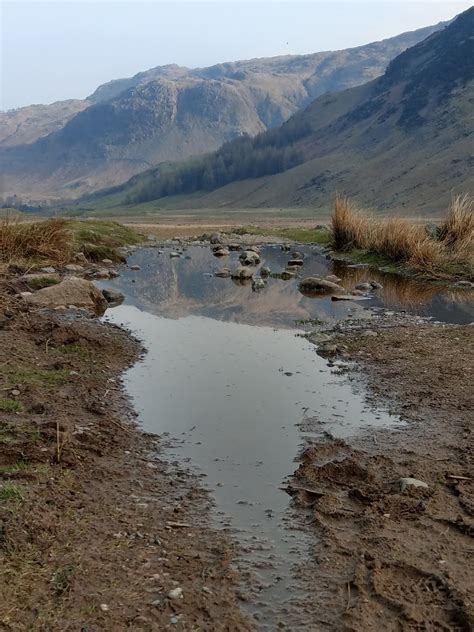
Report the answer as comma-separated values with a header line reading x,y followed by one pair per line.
x,y
64,49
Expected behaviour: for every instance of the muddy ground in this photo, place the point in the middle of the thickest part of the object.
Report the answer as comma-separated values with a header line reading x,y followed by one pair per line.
x,y
96,531
387,559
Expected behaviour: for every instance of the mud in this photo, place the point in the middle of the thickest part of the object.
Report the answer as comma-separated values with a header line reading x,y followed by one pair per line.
x,y
390,559
95,529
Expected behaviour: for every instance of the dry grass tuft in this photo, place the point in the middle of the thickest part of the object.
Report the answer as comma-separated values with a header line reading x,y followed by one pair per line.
x,y
48,240
404,242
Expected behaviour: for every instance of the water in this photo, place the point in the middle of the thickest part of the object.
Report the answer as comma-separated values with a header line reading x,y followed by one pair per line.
x,y
229,379
179,287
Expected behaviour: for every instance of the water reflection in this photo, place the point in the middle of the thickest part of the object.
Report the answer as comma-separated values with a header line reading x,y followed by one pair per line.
x,y
176,287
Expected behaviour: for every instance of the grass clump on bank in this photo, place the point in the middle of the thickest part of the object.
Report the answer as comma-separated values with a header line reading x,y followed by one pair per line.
x,y
56,240
447,253
47,240
300,235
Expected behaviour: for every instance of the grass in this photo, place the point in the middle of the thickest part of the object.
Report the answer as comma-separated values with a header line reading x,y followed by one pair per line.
x,y
38,377
400,242
299,235
10,492
41,281
21,466
99,239
55,240
47,240
10,405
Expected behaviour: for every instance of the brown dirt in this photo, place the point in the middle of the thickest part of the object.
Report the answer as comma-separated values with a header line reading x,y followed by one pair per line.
x,y
95,529
387,559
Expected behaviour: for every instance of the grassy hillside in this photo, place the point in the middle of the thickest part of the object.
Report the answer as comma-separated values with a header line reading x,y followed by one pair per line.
x,y
401,142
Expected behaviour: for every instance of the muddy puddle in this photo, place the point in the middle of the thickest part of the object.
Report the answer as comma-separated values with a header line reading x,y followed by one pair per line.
x,y
236,391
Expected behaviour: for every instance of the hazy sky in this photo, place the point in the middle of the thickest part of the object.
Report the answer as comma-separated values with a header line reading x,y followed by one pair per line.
x,y
65,49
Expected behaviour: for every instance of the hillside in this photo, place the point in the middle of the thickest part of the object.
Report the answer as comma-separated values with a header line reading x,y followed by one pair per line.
x,y
402,141
171,113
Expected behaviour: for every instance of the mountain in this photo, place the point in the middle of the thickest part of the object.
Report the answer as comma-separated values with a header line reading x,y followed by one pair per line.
x,y
402,141
171,113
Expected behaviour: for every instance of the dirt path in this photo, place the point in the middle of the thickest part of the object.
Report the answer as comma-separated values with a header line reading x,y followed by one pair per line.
x,y
96,532
386,558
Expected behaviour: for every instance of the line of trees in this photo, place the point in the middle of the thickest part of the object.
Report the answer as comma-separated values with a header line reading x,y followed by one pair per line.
x,y
244,157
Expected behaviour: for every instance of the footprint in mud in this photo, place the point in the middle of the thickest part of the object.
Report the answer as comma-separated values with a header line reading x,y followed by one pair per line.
x,y
423,600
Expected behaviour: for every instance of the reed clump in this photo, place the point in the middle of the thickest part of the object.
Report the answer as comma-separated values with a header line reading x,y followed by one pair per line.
x,y
45,240
449,253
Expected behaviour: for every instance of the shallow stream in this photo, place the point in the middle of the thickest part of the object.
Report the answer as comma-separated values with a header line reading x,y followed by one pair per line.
x,y
236,388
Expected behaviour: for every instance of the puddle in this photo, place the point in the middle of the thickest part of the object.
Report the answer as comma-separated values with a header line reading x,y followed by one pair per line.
x,y
237,390
179,287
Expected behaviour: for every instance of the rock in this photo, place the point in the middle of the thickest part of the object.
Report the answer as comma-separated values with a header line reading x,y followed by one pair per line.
x,y
358,293
113,274
286,275
297,255
249,258
223,273
316,285
242,273
135,267
327,349
39,280
253,249
464,284
265,272
25,294
370,333
174,255
258,284
102,273
364,286
221,252
349,297
375,285
234,247
80,257
433,231
107,262
71,291
72,267
333,278
48,270
215,238
175,593
285,248
295,262
411,482
113,297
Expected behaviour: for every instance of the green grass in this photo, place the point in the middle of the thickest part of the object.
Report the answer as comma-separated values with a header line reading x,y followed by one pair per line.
x,y
299,235
99,239
10,405
78,350
38,377
10,492
21,466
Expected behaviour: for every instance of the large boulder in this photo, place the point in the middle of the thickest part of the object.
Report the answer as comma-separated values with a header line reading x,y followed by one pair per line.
x,y
316,285
71,291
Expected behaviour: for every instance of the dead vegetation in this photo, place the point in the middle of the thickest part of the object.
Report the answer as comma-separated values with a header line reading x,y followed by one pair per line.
x,y
35,241
447,250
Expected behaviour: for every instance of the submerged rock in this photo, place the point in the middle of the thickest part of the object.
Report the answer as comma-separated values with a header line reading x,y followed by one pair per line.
x,y
295,262
223,273
135,267
242,272
265,272
258,284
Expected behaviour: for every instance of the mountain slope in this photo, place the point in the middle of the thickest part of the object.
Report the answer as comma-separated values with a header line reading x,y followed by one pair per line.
x,y
402,141
171,113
